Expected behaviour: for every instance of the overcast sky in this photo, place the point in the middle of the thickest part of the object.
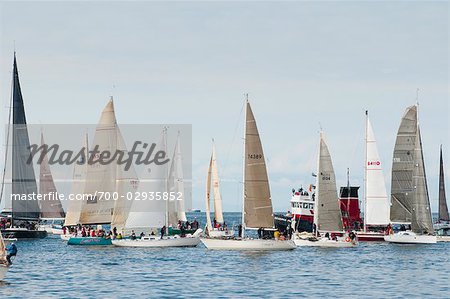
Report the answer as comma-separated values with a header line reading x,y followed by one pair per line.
x,y
303,63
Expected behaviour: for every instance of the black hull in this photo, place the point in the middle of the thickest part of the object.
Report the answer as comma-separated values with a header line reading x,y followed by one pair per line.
x,y
24,234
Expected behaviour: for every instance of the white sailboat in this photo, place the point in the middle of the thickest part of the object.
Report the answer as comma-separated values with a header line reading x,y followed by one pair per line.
x,y
78,182
327,213
154,214
109,178
257,204
410,201
214,232
4,265
376,201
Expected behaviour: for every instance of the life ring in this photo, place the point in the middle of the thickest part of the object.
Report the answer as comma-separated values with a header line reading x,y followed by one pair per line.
x,y
347,239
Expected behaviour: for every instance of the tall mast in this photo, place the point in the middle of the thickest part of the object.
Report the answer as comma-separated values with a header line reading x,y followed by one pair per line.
x,y
166,181
365,172
317,188
243,167
7,137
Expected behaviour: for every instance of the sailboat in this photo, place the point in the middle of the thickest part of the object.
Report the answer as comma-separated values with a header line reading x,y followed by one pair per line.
x,y
52,212
25,213
156,214
327,212
78,182
214,232
4,265
257,212
442,226
109,178
376,201
409,191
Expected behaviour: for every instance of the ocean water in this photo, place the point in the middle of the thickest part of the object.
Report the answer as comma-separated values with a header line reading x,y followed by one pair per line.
x,y
51,269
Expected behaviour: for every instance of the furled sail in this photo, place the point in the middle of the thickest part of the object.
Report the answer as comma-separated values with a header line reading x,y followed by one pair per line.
x,y
50,205
214,174
127,183
145,214
176,208
78,183
402,190
443,209
327,214
376,201
23,177
101,178
421,222
258,212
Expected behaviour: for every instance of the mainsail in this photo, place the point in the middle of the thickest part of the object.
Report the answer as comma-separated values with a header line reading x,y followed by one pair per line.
x,y
214,174
327,213
402,189
23,177
127,183
146,214
78,183
50,204
258,212
443,209
176,208
421,212
96,208
421,221
377,205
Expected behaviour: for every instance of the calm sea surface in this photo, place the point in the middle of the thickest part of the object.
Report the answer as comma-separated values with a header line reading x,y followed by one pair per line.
x,y
50,269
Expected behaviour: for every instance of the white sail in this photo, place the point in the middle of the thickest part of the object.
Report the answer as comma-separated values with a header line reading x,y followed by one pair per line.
x,y
127,183
218,213
377,204
214,174
96,209
146,214
50,205
78,183
208,196
176,209
327,213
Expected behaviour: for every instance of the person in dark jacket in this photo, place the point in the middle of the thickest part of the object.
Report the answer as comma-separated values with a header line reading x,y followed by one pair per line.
x,y
12,251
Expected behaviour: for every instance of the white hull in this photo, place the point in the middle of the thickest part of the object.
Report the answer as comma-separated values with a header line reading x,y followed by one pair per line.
x,y
408,237
325,242
46,227
3,270
248,244
65,237
443,238
221,234
57,231
158,242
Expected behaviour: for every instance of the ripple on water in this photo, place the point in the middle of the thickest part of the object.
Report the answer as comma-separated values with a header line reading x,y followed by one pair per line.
x,y
51,269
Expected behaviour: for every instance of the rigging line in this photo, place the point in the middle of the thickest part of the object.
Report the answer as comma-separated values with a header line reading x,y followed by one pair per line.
x,y
230,148
7,138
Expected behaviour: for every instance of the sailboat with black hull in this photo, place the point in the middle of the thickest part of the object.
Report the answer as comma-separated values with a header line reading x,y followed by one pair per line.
x,y
25,209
